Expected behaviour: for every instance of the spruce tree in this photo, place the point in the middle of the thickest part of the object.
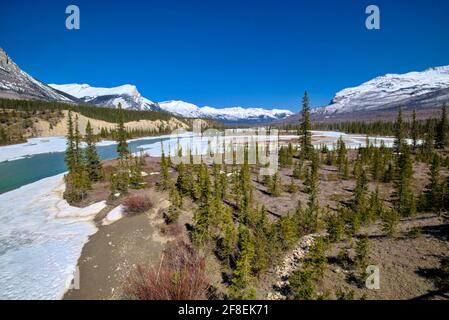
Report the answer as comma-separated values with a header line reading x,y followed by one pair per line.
x,y
242,278
399,130
122,145
305,127
70,150
441,139
79,157
341,154
414,131
433,192
403,198
275,188
165,182
228,236
93,163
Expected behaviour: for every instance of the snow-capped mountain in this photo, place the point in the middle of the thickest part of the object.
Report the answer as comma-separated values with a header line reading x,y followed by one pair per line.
x,y
429,88
127,95
16,83
228,115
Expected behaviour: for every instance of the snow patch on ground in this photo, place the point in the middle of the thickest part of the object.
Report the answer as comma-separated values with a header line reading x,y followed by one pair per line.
x,y
113,215
41,238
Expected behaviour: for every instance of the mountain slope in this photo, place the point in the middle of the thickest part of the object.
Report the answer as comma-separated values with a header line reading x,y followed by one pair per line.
x,y
227,115
17,84
422,90
127,95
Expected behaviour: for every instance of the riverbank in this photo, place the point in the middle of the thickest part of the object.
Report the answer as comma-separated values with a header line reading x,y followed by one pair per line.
x,y
114,251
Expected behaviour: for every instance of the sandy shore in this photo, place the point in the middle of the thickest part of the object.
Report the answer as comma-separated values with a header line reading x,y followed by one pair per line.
x,y
115,250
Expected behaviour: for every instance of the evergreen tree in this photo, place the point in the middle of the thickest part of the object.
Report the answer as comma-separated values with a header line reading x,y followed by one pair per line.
x,y
414,131
164,183
70,150
275,187
399,140
228,236
93,163
136,180
242,278
390,220
305,127
433,192
341,154
78,152
292,187
359,204
361,259
182,182
403,198
122,145
441,139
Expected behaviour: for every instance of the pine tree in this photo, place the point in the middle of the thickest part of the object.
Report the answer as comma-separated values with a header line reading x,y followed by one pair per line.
x,y
164,183
305,127
403,198
93,163
292,187
414,131
390,220
335,227
433,192
122,145
441,139
288,231
361,259
275,187
399,130
136,180
78,152
341,154
228,236
70,150
242,278
182,182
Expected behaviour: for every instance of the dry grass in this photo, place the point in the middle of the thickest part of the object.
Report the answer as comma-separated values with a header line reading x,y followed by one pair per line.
x,y
180,275
137,204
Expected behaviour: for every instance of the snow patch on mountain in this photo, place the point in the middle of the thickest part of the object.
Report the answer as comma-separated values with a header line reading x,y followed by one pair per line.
x,y
127,95
387,89
16,83
233,114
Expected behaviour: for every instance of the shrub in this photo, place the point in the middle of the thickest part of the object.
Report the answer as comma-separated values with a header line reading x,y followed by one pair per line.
x,y
179,276
136,204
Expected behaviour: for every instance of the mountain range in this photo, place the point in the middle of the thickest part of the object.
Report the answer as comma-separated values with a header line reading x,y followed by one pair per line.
x,y
17,84
379,98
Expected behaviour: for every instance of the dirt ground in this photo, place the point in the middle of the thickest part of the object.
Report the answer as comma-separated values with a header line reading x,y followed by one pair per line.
x,y
116,249
405,264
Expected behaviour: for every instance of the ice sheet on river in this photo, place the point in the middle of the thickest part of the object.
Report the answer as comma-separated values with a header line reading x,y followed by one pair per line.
x,y
41,238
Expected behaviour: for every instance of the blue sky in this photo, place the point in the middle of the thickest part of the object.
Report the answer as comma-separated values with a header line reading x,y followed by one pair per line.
x,y
225,52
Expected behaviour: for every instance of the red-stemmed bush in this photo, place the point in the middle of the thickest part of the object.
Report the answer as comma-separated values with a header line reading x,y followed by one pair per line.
x,y
180,275
136,204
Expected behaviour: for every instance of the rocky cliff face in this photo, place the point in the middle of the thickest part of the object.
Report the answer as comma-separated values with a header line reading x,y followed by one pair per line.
x,y
17,84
